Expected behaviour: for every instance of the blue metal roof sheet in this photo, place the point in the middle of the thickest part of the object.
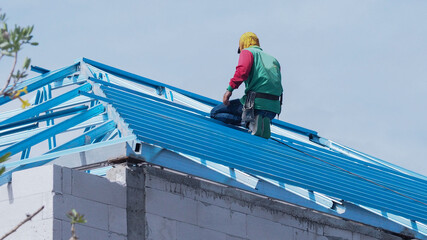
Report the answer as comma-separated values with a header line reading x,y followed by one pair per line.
x,y
166,125
110,106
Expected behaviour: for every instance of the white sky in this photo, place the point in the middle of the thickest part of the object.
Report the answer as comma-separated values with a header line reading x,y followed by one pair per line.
x,y
354,71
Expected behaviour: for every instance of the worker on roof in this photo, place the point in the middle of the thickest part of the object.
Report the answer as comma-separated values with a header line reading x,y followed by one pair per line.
x,y
263,93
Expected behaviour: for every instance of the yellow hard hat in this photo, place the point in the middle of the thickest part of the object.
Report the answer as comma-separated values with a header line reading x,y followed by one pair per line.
x,y
248,39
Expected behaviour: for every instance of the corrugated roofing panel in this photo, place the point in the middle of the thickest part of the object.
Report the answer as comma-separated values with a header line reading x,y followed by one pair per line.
x,y
174,127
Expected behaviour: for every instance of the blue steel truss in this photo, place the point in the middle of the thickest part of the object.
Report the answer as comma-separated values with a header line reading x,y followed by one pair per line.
x,y
89,104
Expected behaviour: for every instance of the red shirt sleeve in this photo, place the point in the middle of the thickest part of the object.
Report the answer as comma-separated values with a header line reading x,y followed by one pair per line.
x,y
243,69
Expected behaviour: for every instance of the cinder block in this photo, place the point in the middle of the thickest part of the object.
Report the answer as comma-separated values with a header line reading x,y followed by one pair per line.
x,y
95,213
191,232
57,229
295,222
66,180
228,237
28,182
213,197
221,219
318,237
356,236
209,234
364,237
57,178
115,236
191,191
98,189
278,216
117,220
202,191
83,232
217,188
260,228
171,206
186,231
162,184
238,194
160,228
335,232
380,236
241,206
314,227
306,235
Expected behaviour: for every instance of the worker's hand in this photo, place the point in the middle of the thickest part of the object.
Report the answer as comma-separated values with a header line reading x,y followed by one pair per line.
x,y
226,98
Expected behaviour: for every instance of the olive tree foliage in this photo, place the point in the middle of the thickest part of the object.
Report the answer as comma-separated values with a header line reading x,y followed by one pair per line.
x,y
3,159
12,41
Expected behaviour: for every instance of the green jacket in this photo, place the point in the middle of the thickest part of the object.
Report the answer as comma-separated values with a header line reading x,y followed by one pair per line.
x,y
264,77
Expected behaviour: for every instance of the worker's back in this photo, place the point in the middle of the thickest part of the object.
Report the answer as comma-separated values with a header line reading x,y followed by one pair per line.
x,y
264,77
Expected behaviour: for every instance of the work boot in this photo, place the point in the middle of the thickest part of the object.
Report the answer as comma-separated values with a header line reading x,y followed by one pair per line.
x,y
267,131
257,126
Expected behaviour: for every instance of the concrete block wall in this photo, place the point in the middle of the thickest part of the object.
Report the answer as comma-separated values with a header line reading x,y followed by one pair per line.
x,y
102,202
183,208
157,204
59,190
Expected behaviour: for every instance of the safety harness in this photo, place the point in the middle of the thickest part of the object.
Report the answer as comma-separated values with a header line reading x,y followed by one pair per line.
x,y
248,114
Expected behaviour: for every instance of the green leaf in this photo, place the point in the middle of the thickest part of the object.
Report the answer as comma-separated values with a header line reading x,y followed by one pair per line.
x,y
34,43
6,53
2,170
81,219
5,157
76,217
27,62
4,45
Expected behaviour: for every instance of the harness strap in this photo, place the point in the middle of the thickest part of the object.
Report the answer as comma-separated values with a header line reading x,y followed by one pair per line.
x,y
267,96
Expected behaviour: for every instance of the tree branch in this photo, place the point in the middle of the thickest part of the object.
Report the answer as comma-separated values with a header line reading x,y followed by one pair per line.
x,y
22,223
10,75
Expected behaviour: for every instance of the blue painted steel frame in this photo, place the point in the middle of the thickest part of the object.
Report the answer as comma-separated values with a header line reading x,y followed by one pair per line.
x,y
31,112
18,147
42,80
146,81
39,69
48,116
92,134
